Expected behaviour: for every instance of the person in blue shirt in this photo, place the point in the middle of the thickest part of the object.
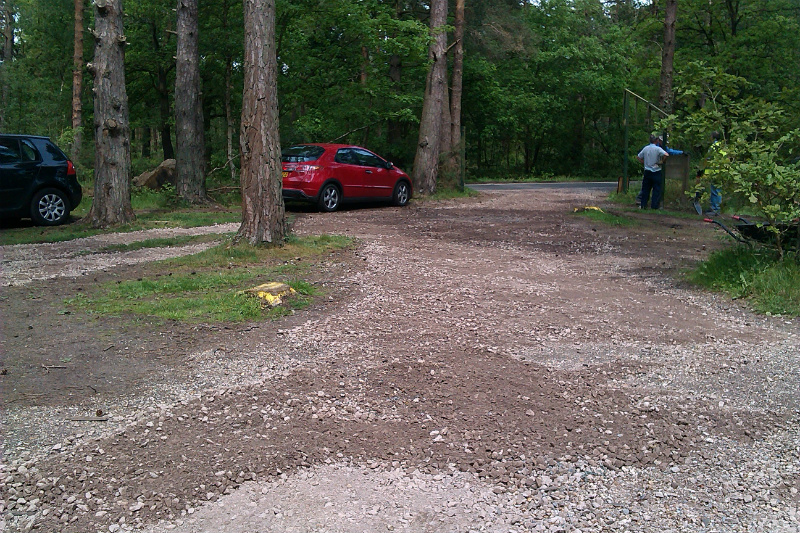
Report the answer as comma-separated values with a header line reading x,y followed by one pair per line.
x,y
652,157
670,151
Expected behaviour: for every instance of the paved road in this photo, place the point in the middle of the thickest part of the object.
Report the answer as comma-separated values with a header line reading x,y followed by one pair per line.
x,y
498,187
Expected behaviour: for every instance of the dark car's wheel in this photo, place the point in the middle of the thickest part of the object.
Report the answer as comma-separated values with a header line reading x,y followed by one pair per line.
x,y
330,198
402,193
49,207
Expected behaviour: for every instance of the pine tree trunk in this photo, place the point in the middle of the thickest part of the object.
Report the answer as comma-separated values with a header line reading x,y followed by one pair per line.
x,y
229,117
164,114
146,140
457,91
190,172
667,56
77,82
426,160
8,53
262,201
112,194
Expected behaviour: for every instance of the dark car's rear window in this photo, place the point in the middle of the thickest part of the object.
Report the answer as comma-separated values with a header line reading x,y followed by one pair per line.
x,y
301,154
54,151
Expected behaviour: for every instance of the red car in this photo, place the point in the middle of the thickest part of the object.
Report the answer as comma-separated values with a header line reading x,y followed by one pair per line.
x,y
328,174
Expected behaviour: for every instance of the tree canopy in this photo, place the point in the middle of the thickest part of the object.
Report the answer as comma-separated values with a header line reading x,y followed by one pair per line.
x,y
542,88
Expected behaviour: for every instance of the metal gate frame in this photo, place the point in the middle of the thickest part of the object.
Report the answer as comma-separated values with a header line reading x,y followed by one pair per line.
x,y
626,113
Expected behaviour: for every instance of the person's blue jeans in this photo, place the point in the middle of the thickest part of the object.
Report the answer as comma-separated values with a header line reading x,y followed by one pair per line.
x,y
651,181
715,199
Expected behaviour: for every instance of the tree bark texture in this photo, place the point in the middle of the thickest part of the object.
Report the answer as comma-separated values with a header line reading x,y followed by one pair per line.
x,y
426,160
112,168
457,87
668,56
77,83
190,172
262,196
8,53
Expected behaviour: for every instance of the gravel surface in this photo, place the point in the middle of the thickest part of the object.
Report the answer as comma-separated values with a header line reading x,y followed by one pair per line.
x,y
496,364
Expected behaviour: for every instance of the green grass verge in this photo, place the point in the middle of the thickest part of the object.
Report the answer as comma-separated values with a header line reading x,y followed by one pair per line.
x,y
770,284
607,218
188,218
542,178
448,194
205,287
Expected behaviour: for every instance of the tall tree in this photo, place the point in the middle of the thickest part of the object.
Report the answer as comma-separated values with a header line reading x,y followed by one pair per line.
x,y
77,82
262,198
668,56
7,15
189,127
112,193
426,161
454,160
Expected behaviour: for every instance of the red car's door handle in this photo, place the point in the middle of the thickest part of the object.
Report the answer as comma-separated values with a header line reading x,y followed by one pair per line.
x,y
368,171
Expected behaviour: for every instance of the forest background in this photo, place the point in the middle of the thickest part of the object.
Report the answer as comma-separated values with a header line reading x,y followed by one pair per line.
x,y
543,81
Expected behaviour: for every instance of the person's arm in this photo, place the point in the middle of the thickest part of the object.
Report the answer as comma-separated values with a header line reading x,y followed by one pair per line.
x,y
671,151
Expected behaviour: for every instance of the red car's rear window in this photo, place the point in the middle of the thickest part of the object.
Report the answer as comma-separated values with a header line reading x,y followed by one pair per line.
x,y
301,153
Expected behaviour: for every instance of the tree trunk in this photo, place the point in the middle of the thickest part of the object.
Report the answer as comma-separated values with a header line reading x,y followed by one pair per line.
x,y
262,201
457,88
77,82
190,172
229,117
8,53
667,56
112,194
146,140
445,139
164,114
426,160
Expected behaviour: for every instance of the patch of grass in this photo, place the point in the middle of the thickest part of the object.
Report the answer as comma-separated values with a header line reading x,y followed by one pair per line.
x,y
607,218
625,198
448,194
161,243
770,284
205,287
25,233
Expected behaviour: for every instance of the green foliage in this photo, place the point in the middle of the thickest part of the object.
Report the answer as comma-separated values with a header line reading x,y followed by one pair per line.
x,y
542,83
769,282
543,92
753,161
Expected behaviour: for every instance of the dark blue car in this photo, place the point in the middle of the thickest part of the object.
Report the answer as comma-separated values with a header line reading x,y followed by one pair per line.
x,y
37,180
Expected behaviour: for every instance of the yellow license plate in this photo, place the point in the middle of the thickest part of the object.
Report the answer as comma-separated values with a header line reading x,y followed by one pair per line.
x,y
285,174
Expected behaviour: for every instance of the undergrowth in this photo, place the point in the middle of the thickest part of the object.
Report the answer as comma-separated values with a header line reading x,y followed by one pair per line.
x,y
769,283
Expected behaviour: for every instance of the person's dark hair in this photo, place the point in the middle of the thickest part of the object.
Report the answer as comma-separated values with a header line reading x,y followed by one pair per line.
x,y
653,139
715,135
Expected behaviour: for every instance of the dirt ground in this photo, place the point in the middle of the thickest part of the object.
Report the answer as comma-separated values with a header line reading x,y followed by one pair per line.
x,y
496,364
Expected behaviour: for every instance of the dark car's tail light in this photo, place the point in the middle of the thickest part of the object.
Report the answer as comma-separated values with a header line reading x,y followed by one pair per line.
x,y
70,168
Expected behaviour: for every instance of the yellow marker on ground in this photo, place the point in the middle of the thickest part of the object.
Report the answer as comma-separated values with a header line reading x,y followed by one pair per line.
x,y
271,293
